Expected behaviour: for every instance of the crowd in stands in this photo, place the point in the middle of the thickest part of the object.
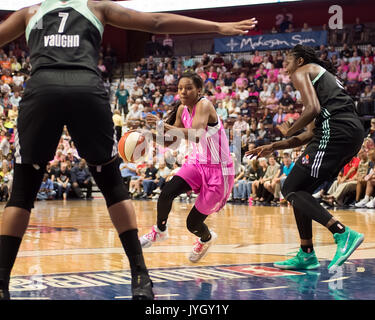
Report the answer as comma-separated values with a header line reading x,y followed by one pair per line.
x,y
251,96
67,175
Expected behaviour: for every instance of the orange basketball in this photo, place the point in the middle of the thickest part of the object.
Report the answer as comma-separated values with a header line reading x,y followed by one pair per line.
x,y
132,146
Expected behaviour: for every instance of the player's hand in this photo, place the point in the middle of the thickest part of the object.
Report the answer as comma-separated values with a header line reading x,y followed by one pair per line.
x,y
237,28
152,119
261,151
284,128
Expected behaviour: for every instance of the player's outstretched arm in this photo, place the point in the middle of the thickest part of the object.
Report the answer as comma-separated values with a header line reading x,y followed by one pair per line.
x,y
13,27
118,16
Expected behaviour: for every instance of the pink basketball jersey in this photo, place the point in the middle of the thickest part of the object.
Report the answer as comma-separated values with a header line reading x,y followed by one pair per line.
x,y
213,146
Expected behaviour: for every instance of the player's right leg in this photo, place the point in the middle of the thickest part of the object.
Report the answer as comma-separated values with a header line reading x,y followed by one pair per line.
x,y
171,190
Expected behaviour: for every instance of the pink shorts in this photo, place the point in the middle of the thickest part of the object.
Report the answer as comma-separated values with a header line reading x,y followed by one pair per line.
x,y
212,183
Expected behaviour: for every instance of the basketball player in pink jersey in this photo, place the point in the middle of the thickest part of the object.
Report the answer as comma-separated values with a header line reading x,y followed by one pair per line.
x,y
208,171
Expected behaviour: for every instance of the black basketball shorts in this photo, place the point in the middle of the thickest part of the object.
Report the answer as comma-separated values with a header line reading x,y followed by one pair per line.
x,y
331,148
75,98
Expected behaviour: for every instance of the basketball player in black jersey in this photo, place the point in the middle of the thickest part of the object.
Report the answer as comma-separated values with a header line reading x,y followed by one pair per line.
x,y
334,135
65,89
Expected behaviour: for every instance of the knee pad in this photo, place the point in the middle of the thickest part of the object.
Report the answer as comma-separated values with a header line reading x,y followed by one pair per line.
x,y
109,181
26,184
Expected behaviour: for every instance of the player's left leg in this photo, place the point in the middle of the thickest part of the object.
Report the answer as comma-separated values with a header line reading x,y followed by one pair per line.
x,y
205,237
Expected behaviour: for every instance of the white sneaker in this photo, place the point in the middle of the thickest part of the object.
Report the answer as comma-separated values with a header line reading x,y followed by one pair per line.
x,y
200,248
370,204
155,197
157,190
154,235
317,195
363,202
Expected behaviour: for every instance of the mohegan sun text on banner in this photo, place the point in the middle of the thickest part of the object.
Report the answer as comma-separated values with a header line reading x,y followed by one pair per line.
x,y
270,41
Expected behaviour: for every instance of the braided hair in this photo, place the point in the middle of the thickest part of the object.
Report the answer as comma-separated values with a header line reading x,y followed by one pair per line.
x,y
198,83
309,56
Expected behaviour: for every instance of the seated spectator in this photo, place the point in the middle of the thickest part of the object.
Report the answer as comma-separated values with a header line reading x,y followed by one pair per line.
x,y
366,183
277,183
149,181
286,102
134,115
353,75
63,180
363,170
168,98
345,53
168,78
345,182
279,117
242,187
136,92
242,81
242,94
46,190
365,77
161,177
367,95
272,103
128,171
218,61
257,59
262,135
222,112
6,181
262,194
81,178
240,124
15,99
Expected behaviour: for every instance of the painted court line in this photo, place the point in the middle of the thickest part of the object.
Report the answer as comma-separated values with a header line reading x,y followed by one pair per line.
x,y
261,289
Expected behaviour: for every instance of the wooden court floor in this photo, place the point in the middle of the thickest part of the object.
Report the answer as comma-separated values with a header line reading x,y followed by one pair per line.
x,y
71,251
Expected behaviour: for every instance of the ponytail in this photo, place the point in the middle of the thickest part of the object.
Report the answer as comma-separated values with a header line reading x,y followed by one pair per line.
x,y
309,56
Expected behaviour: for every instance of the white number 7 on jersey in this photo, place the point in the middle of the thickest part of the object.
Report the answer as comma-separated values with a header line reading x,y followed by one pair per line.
x,y
64,16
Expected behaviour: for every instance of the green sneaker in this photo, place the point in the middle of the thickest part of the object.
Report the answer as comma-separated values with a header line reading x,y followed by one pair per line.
x,y
346,242
302,260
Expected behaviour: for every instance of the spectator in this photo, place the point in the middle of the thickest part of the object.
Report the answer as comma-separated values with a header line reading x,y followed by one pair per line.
x,y
149,181
306,27
358,31
63,179
122,96
5,145
279,117
81,178
168,45
222,112
161,177
277,183
46,191
117,120
153,47
345,182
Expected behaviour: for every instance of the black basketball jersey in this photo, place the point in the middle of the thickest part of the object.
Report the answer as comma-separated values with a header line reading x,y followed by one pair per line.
x,y
333,98
64,35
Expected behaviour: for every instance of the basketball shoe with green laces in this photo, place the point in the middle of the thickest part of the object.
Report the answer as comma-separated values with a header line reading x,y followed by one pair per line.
x,y
346,242
302,260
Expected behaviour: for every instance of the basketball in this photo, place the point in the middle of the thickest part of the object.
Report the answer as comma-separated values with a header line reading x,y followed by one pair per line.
x,y
132,146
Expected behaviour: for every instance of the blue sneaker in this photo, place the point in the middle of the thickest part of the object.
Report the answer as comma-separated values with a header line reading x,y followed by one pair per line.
x,y
302,260
346,242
